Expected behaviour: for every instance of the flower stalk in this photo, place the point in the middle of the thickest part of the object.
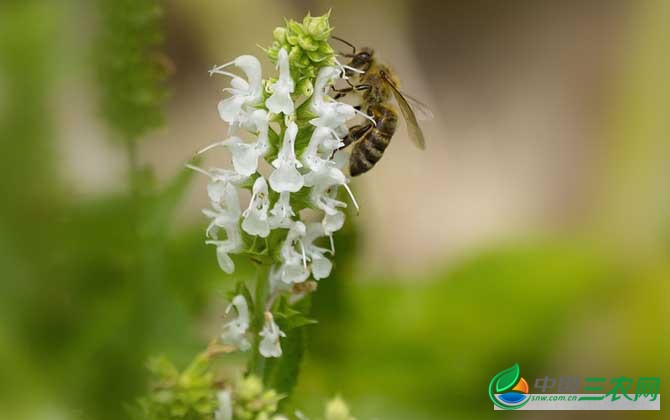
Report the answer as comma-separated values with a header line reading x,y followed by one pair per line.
x,y
284,137
291,122
297,128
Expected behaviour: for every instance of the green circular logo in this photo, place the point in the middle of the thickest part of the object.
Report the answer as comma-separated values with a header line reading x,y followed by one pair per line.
x,y
508,390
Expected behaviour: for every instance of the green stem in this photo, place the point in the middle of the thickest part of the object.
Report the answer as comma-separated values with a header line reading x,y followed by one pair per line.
x,y
257,362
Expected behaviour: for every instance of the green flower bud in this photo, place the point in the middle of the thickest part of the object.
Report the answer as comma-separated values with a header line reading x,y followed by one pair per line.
x,y
242,413
307,43
316,56
279,34
326,49
317,27
305,87
249,388
304,61
267,85
337,409
295,28
307,46
295,54
292,38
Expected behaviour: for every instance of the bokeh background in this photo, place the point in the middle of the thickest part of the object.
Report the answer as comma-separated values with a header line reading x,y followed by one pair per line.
x,y
535,228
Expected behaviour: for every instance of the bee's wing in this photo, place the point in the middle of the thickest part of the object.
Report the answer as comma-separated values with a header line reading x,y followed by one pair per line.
x,y
422,111
415,133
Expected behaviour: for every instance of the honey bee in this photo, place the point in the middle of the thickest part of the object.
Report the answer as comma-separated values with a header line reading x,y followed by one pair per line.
x,y
376,85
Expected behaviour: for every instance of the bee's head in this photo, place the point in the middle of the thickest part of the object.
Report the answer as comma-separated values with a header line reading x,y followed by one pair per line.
x,y
362,60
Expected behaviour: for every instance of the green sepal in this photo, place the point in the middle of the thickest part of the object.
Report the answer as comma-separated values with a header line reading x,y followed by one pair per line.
x,y
305,87
241,289
274,241
317,56
279,34
307,44
303,138
300,200
248,183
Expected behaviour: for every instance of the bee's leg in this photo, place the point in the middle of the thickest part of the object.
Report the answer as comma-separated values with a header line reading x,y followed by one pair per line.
x,y
356,133
342,92
351,88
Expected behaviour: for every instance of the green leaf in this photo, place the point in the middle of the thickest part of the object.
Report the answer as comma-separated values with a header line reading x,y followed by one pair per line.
x,y
282,374
297,321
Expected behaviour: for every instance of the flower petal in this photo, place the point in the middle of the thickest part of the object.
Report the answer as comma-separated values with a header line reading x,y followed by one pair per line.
x,y
230,108
256,224
225,262
333,222
321,267
286,179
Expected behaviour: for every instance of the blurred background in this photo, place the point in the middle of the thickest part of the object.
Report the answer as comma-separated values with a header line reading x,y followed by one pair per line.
x,y
534,229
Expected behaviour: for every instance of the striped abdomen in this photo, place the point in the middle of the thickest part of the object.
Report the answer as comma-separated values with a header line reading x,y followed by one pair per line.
x,y
370,149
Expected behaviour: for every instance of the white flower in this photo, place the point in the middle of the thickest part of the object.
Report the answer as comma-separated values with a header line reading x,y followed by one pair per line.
x,y
280,101
220,176
323,196
225,216
294,263
229,246
331,114
225,410
324,183
269,345
245,93
235,331
226,204
227,176
256,215
216,191
282,212
323,81
333,222
320,136
286,176
245,155
320,265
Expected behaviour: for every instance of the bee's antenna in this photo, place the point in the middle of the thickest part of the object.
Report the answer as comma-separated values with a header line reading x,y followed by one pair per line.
x,y
353,47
